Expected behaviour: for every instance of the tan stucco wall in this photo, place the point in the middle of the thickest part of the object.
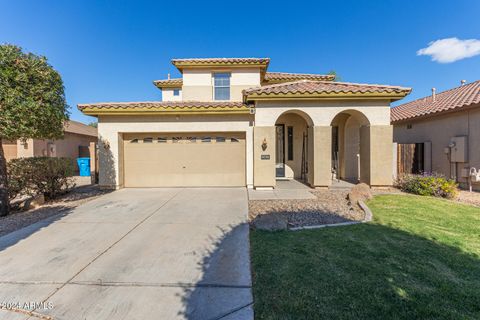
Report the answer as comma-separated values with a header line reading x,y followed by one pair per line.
x,y
264,169
376,156
9,149
198,83
25,148
438,130
322,112
111,128
167,94
321,161
66,147
199,93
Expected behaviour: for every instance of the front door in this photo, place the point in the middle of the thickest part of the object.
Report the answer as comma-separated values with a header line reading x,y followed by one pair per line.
x,y
280,151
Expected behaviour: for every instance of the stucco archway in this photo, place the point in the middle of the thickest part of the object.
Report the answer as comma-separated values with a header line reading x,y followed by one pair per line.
x,y
291,145
350,145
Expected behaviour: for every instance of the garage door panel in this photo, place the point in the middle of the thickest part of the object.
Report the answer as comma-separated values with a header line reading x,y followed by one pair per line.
x,y
182,159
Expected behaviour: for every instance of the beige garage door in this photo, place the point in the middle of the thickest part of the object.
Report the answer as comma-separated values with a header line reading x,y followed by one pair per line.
x,y
184,159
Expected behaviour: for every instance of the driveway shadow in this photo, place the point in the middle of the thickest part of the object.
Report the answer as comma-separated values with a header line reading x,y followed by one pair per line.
x,y
224,291
20,225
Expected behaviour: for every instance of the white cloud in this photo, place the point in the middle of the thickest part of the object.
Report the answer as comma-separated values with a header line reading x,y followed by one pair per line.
x,y
451,49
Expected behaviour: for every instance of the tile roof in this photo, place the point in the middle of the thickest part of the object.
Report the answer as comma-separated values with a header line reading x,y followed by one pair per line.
x,y
179,63
308,87
446,101
169,83
165,106
80,128
275,77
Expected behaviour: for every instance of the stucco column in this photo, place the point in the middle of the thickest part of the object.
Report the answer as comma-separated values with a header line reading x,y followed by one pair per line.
x,y
376,156
320,156
264,158
110,158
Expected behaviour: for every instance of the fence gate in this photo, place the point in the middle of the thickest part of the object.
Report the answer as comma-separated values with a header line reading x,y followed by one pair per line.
x,y
410,158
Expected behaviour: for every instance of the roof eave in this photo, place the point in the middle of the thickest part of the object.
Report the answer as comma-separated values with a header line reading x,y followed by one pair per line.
x,y
326,96
434,114
198,65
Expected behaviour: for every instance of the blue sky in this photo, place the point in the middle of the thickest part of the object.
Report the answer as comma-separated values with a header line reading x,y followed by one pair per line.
x,y
112,50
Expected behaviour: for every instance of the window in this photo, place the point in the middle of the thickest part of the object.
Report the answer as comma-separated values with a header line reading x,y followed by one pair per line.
x,y
176,92
290,143
206,139
162,140
220,139
221,82
147,140
176,139
192,139
134,141
234,140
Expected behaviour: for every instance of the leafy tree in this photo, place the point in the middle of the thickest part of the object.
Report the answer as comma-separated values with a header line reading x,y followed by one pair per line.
x,y
93,124
32,104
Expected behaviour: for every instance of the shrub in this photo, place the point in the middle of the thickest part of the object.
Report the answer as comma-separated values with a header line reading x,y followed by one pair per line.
x,y
40,175
428,185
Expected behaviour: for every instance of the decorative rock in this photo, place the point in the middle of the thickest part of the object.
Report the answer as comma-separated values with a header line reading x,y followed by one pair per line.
x,y
37,201
270,222
360,192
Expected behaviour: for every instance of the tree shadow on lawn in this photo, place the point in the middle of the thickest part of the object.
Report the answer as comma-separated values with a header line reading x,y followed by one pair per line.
x,y
365,271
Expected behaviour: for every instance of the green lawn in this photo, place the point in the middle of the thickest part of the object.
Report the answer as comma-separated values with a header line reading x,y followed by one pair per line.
x,y
418,259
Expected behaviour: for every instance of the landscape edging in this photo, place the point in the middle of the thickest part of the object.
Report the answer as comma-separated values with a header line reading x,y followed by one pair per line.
x,y
363,206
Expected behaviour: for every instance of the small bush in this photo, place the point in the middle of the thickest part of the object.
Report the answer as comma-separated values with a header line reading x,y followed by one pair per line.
x,y
428,185
40,175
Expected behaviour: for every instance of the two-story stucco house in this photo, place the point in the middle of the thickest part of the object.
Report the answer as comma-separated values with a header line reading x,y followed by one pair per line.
x,y
230,122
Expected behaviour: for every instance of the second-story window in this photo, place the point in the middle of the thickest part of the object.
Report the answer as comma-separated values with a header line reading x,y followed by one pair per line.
x,y
221,86
176,92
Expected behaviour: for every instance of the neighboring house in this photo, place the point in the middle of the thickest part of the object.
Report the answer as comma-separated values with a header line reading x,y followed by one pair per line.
x,y
230,122
74,144
445,128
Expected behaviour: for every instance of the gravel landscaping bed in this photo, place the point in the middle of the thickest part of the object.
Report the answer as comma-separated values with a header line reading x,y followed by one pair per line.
x,y
61,206
329,207
468,197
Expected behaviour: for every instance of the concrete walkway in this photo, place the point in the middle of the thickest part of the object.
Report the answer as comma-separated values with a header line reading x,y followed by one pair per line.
x,y
284,190
134,254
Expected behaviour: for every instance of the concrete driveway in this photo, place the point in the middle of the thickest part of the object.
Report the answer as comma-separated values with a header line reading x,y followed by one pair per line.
x,y
134,254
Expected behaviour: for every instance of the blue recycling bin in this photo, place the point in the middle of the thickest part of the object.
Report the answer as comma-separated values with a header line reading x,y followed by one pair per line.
x,y
84,166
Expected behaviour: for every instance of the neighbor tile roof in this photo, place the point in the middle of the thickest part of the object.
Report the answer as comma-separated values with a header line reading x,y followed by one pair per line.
x,y
319,87
166,106
446,101
274,77
169,83
80,128
220,61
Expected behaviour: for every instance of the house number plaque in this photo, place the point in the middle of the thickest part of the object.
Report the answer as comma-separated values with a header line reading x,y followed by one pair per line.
x,y
265,157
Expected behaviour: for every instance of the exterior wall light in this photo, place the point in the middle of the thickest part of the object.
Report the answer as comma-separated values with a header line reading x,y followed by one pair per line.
x,y
264,144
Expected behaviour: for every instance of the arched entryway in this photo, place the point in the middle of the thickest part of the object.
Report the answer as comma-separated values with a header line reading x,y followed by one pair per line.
x,y
291,145
349,145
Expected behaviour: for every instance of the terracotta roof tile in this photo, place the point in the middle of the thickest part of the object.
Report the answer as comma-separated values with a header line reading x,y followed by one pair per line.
x,y
220,61
80,128
446,101
166,106
273,77
169,83
318,87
